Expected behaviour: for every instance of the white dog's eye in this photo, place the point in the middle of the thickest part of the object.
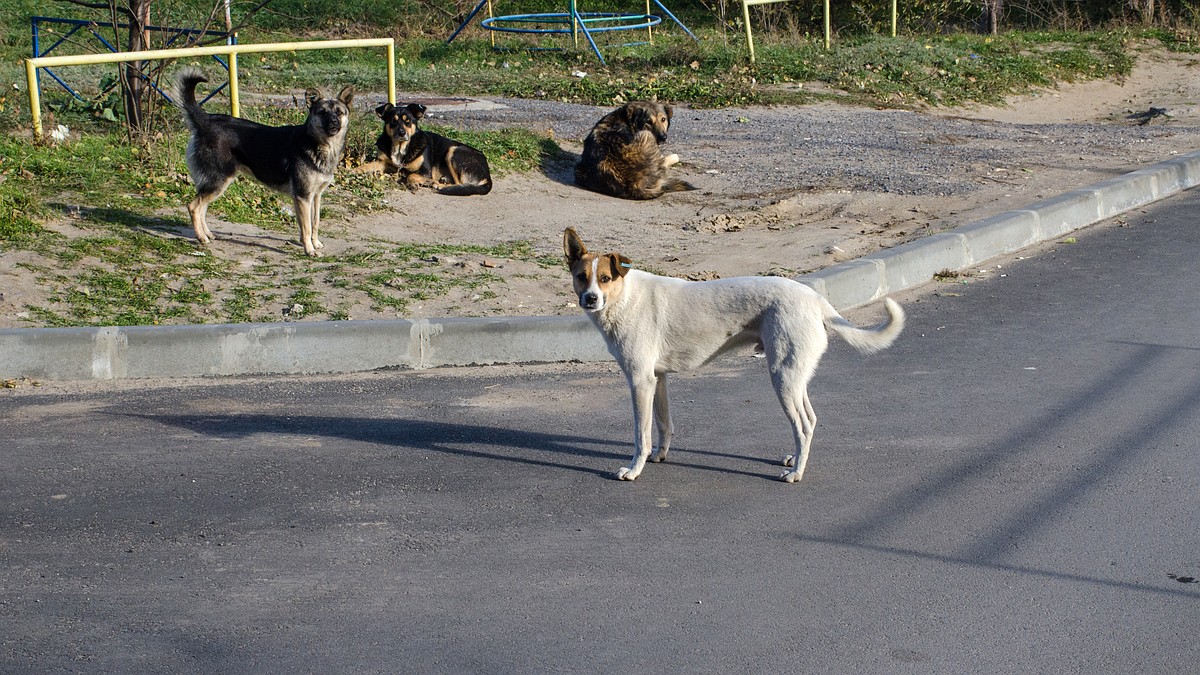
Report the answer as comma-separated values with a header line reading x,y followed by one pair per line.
x,y
604,278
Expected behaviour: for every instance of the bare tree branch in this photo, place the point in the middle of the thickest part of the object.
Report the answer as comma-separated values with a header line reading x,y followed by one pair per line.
x,y
99,5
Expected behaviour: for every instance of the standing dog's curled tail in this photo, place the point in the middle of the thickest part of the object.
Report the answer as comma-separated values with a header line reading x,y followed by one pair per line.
x,y
185,97
868,340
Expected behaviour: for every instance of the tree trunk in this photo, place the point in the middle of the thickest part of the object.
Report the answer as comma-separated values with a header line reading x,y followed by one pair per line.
x,y
992,9
1144,9
133,83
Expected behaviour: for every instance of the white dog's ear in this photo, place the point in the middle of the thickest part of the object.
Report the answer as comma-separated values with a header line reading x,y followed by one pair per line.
x,y
573,247
623,264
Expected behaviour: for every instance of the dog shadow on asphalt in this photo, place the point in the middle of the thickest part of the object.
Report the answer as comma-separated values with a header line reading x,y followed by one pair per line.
x,y
477,442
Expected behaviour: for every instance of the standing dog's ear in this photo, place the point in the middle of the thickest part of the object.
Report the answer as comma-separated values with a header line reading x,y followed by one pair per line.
x,y
311,96
346,95
417,110
618,264
573,247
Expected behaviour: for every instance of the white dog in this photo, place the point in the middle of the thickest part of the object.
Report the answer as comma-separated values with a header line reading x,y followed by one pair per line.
x,y
657,325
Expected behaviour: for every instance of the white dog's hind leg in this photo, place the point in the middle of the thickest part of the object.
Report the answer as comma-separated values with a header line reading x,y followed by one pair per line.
x,y
803,432
791,369
811,416
642,389
662,420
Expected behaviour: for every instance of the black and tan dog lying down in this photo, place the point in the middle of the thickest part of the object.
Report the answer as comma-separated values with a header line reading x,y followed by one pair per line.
x,y
423,158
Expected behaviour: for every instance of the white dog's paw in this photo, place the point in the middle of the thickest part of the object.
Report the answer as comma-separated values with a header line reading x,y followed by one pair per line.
x,y
317,243
791,476
789,460
627,473
671,160
659,456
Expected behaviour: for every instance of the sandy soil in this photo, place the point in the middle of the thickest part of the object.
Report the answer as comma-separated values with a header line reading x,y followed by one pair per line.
x,y
781,190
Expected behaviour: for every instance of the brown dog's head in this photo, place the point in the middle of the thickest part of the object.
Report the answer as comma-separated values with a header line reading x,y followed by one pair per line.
x,y
598,279
652,116
399,126
328,117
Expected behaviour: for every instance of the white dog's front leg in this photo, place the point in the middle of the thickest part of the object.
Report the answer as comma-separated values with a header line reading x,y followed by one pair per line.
x,y
662,420
641,388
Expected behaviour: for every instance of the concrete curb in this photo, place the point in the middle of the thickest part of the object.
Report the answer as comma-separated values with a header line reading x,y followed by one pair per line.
x,y
350,346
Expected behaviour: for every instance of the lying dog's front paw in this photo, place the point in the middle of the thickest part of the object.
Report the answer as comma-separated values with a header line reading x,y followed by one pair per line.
x,y
791,476
626,473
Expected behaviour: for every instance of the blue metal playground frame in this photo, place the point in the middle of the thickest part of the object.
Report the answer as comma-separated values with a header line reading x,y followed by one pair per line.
x,y
573,21
93,26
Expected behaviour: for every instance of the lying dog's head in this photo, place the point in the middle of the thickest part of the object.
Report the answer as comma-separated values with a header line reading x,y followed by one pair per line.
x,y
598,279
399,126
327,117
652,116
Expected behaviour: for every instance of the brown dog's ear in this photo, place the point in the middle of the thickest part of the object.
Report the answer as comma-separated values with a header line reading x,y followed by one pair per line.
x,y
573,248
346,95
417,110
311,96
670,111
383,109
636,116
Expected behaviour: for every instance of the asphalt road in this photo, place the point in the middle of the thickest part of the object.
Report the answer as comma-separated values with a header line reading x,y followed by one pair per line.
x,y
1014,487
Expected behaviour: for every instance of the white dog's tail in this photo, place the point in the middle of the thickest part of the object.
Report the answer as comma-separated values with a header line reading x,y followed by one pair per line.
x,y
868,340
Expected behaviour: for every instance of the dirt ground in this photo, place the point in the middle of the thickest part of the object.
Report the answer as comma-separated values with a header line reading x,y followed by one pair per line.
x,y
782,190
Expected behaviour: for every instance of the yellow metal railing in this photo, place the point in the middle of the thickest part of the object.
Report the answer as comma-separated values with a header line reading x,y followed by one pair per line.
x,y
31,65
746,4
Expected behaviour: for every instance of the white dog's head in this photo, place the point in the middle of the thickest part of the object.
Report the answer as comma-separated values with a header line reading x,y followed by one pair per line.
x,y
598,279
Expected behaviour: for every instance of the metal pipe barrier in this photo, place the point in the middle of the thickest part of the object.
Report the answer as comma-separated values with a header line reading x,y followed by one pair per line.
x,y
746,4
31,65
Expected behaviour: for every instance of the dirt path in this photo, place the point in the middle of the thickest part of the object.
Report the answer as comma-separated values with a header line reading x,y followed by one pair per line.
x,y
782,190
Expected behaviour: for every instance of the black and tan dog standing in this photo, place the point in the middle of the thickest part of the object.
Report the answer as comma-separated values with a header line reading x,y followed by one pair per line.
x,y
296,160
621,156
425,158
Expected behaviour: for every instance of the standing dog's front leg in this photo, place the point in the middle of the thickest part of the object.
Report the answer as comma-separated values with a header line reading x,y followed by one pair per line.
x,y
316,221
662,420
641,388
304,207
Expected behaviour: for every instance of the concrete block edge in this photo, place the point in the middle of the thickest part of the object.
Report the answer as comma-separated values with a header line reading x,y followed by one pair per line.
x,y
355,346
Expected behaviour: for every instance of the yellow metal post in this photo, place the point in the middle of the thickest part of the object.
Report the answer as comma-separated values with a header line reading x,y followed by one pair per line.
x,y
649,29
391,70
893,18
35,103
746,23
574,27
491,33
235,107
828,30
